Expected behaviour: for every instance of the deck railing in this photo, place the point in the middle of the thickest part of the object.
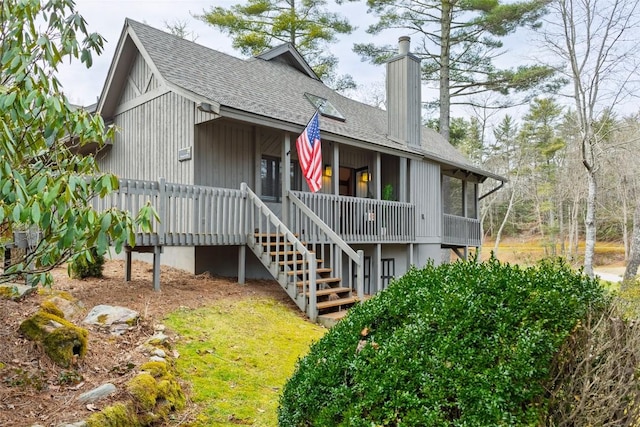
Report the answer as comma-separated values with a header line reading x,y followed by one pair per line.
x,y
279,250
328,245
354,219
460,231
190,215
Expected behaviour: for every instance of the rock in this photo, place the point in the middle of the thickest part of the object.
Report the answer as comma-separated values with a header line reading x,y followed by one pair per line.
x,y
97,393
159,328
157,359
159,352
117,319
76,424
15,291
157,339
68,307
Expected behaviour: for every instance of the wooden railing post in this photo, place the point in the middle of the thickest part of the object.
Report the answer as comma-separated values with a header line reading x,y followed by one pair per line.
x,y
313,299
162,209
242,251
360,276
244,223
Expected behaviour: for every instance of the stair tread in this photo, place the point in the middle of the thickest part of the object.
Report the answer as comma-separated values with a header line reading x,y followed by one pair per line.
x,y
334,303
318,271
285,252
321,280
262,236
335,315
329,291
266,244
298,261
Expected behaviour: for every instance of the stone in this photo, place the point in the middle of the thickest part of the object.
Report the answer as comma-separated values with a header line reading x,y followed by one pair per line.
x,y
117,319
15,291
76,424
97,393
157,339
69,308
159,352
157,359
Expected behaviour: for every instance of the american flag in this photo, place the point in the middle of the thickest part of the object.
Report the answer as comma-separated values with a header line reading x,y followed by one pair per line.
x,y
310,154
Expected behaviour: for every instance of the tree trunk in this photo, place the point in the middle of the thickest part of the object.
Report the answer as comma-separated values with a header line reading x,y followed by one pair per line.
x,y
590,224
634,258
504,220
445,50
625,229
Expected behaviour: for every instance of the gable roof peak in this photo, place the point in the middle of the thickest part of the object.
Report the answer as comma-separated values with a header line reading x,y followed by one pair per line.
x,y
288,54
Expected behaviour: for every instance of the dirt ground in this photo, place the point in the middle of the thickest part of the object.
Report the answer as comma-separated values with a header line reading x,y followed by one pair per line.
x,y
33,391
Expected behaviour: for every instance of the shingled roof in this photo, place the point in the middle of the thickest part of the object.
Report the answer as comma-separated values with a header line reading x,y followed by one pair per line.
x,y
260,87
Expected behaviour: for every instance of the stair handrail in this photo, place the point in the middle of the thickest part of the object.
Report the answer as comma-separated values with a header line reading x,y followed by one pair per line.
x,y
290,237
356,257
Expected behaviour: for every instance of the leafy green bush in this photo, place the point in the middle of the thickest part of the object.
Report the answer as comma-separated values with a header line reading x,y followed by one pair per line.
x,y
87,264
462,344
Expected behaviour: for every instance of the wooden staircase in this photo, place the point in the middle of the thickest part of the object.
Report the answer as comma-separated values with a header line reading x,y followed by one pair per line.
x,y
292,271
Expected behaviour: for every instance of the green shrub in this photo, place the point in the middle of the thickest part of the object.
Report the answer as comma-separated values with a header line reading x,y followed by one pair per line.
x,y
462,344
88,264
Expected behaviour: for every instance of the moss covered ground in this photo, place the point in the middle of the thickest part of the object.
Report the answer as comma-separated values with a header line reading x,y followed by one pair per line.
x,y
237,356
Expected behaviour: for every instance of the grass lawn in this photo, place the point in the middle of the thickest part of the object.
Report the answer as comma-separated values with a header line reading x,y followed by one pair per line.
x,y
237,355
529,250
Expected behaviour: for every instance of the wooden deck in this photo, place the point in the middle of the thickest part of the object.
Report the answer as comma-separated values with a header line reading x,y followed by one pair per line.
x,y
191,215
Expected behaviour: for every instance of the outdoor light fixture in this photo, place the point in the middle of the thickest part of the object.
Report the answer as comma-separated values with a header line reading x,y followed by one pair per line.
x,y
327,170
366,176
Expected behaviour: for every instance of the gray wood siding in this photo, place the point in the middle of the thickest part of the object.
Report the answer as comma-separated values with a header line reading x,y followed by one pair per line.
x,y
224,154
146,147
140,80
404,99
425,194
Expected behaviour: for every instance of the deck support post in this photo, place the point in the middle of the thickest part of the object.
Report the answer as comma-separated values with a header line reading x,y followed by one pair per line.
x,y
409,256
313,298
335,174
242,263
377,182
286,180
463,254
403,181
156,267
377,260
127,264
360,276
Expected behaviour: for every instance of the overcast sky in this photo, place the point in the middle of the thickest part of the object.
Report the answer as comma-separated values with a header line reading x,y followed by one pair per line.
x,y
83,85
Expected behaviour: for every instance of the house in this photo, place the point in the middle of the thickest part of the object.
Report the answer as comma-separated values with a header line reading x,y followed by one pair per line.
x,y
208,138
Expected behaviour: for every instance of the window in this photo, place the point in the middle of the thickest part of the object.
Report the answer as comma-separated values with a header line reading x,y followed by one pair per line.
x,y
271,176
471,192
325,107
452,197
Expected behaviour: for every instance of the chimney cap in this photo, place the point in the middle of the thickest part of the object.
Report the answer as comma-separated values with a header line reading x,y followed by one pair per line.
x,y
404,45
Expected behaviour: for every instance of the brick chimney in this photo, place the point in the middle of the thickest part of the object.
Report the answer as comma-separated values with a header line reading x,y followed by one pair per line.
x,y
404,98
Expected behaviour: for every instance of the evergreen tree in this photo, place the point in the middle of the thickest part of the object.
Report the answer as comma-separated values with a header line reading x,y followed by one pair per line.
x,y
458,42
308,25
